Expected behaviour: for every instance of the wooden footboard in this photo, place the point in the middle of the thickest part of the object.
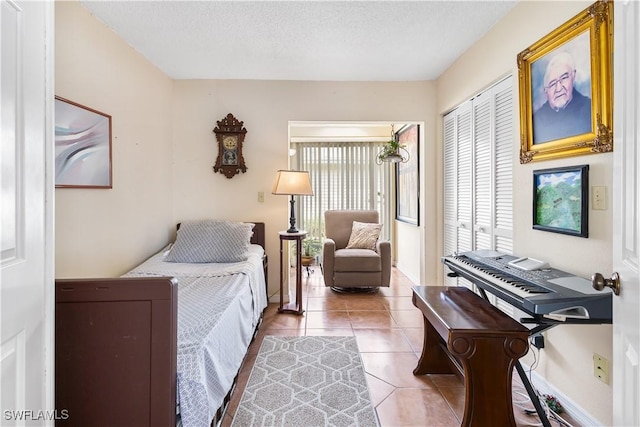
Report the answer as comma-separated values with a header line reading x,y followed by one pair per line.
x,y
115,351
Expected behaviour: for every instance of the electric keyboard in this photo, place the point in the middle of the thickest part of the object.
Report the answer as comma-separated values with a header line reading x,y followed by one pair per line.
x,y
547,293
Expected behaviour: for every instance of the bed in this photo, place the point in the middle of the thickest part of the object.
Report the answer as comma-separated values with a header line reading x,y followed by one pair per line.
x,y
209,315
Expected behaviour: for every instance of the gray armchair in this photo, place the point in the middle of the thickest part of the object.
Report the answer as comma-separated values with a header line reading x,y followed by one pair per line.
x,y
346,269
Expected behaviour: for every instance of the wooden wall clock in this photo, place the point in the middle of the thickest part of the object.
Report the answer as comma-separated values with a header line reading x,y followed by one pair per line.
x,y
230,136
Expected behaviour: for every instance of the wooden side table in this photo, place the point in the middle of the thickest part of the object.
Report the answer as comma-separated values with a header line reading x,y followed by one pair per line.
x,y
298,238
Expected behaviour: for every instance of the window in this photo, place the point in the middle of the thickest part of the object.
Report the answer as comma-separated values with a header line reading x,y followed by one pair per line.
x,y
478,158
344,175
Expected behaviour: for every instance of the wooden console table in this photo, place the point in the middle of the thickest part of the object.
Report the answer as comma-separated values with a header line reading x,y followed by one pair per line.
x,y
466,335
298,238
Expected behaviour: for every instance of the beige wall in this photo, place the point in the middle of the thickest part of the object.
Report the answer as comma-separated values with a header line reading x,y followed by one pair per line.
x,y
105,232
266,107
416,251
164,147
566,361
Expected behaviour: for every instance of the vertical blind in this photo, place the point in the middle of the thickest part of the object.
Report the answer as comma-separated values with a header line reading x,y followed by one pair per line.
x,y
344,175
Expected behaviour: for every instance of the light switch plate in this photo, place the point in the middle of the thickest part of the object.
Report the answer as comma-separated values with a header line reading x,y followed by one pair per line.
x,y
599,198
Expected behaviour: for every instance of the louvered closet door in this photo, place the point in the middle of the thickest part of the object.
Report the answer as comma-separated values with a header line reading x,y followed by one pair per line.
x,y
464,167
482,167
503,166
450,183
478,146
493,160
458,166
464,183
502,203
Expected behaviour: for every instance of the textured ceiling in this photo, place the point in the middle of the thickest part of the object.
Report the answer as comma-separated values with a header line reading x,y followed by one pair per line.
x,y
301,40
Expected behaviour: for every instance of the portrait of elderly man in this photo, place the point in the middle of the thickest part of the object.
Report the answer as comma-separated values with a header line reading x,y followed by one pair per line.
x,y
566,112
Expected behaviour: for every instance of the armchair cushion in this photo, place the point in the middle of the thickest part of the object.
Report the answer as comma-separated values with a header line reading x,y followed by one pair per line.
x,y
357,260
364,235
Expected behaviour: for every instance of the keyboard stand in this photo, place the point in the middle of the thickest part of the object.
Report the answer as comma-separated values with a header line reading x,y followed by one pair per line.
x,y
523,376
532,395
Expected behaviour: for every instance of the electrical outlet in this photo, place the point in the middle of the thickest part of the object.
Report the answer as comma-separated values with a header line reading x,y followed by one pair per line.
x,y
601,368
599,198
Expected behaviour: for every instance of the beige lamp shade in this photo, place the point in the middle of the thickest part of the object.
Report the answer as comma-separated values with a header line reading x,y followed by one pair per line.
x,y
292,183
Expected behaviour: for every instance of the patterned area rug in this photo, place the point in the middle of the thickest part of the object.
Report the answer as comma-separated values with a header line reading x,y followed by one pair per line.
x,y
306,381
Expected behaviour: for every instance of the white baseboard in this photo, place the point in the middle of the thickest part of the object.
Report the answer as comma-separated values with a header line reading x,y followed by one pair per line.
x,y
275,298
578,413
404,271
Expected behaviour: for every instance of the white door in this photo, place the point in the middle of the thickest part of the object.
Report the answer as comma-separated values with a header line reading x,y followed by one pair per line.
x,y
26,209
626,205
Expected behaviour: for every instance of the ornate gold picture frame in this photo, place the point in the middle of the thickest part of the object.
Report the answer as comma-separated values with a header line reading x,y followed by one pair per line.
x,y
565,87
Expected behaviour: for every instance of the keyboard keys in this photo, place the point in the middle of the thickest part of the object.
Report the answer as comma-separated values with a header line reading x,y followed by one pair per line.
x,y
508,282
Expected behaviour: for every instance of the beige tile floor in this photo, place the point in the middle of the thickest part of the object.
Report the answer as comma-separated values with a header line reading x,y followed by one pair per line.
x,y
388,329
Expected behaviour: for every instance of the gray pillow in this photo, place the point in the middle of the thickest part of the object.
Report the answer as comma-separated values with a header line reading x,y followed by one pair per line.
x,y
211,241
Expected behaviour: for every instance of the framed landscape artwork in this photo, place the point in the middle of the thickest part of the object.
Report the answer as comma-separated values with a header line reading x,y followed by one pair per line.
x,y
82,146
560,200
408,177
565,87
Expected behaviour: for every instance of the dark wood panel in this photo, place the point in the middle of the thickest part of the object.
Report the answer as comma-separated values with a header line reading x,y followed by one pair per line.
x,y
116,351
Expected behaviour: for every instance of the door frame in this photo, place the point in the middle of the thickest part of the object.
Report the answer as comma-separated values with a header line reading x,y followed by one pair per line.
x,y
626,204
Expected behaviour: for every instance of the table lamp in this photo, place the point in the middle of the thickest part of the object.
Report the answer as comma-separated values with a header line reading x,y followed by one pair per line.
x,y
292,183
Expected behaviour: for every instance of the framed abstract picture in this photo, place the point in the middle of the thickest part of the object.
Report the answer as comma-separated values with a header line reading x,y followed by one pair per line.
x,y
565,88
82,146
408,176
560,200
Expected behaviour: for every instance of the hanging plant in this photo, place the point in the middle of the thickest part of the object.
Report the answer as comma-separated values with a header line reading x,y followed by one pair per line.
x,y
394,152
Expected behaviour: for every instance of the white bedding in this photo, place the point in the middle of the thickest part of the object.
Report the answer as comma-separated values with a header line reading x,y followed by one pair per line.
x,y
219,306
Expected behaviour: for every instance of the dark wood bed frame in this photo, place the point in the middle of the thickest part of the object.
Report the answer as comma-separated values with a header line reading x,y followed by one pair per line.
x,y
115,350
